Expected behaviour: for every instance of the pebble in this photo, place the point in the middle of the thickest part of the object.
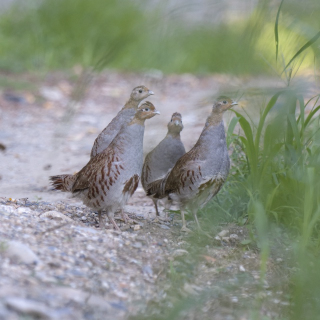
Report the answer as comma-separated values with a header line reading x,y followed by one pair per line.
x,y
179,253
83,218
223,233
163,226
29,307
55,215
136,227
7,209
18,251
234,237
241,268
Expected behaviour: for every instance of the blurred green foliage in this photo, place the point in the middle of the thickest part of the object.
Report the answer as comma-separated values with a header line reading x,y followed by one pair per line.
x,y
135,35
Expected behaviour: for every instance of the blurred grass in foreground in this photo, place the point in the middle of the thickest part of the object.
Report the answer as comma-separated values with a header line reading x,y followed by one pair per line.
x,y
135,35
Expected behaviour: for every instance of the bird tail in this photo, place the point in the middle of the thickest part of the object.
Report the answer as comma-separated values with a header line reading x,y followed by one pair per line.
x,y
63,182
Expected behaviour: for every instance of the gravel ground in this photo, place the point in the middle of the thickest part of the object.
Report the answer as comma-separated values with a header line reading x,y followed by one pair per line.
x,y
55,261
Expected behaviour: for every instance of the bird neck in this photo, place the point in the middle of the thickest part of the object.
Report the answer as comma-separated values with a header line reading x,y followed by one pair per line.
x,y
138,121
131,104
212,133
174,135
214,119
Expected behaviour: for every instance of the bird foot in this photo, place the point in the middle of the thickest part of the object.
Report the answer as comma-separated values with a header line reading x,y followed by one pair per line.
x,y
126,219
165,219
185,229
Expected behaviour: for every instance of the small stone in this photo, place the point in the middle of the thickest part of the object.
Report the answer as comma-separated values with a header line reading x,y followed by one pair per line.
x,y
163,226
83,218
90,247
136,227
137,245
147,270
22,210
234,237
29,307
19,251
241,268
7,209
179,253
223,233
226,239
55,215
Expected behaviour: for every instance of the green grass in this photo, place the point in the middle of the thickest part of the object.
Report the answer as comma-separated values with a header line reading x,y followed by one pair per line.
x,y
57,34
274,183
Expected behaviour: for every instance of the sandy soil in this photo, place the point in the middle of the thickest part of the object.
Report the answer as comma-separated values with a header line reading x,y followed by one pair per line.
x,y
77,271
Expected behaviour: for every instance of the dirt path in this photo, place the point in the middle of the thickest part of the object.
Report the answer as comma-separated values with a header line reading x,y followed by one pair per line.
x,y
60,265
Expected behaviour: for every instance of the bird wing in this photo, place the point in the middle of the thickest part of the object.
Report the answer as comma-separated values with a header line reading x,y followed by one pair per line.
x,y
145,171
185,173
99,168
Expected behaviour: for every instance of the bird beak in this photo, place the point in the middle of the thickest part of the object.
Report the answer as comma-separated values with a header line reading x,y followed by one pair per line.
x,y
234,103
156,112
177,122
151,93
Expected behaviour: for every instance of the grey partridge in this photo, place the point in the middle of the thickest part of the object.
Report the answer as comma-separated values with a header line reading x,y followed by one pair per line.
x,y
111,177
163,157
200,173
64,182
123,117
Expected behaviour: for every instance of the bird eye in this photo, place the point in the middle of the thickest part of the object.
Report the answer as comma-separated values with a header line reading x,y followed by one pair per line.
x,y
224,102
140,91
146,109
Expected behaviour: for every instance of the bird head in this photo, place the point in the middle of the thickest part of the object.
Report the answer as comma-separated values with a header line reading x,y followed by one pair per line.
x,y
140,93
146,111
223,104
175,125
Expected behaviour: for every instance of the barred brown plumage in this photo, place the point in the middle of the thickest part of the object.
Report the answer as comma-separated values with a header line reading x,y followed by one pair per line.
x,y
200,173
65,182
112,176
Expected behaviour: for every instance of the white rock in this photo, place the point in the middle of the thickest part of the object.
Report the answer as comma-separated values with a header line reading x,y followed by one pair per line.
x,y
234,237
19,251
53,94
8,209
55,215
136,227
29,307
223,233
179,253
24,210
241,268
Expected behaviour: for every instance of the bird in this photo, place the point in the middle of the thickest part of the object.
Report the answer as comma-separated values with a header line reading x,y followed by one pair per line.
x,y
123,117
201,172
64,182
112,176
163,157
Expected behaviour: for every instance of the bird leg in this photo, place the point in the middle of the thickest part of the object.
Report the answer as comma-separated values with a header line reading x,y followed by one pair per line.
x,y
155,202
167,206
111,219
194,211
101,225
184,225
125,217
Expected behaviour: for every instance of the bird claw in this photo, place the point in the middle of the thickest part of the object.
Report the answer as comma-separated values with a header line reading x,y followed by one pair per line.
x,y
185,229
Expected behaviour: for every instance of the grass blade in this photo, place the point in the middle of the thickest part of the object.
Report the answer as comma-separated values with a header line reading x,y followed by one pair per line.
x,y
276,34
269,106
304,47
